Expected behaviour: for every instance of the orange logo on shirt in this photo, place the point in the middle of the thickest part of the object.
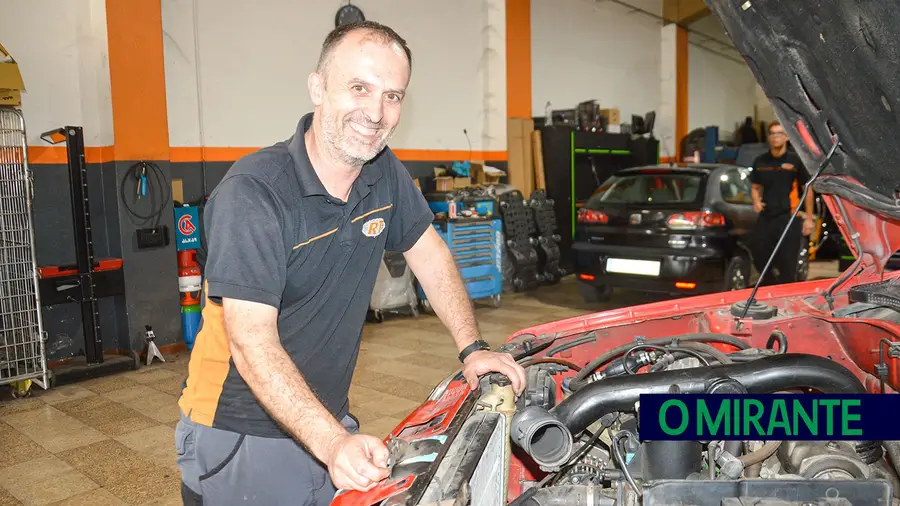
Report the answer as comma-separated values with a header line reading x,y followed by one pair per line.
x,y
373,227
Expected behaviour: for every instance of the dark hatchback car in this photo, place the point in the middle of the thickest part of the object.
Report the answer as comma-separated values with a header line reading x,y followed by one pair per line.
x,y
674,229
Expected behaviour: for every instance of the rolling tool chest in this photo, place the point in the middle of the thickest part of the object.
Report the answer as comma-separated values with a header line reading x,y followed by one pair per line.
x,y
476,244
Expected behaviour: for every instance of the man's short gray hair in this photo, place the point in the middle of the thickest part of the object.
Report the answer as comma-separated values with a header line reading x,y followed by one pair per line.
x,y
377,31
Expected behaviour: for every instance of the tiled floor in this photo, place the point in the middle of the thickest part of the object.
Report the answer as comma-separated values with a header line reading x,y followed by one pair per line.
x,y
109,441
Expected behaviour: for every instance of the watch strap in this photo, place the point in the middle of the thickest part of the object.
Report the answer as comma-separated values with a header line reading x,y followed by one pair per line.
x,y
476,346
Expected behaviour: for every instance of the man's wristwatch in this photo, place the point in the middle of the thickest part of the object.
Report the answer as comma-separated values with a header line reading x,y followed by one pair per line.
x,y
476,346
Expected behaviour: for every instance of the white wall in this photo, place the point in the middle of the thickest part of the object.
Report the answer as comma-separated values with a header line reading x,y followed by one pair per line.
x,y
668,92
595,50
61,49
721,88
254,59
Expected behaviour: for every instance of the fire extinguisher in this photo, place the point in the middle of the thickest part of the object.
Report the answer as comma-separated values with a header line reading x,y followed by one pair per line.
x,y
190,281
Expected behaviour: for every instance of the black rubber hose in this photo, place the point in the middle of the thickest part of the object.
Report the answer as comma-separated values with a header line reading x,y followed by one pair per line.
x,y
578,381
768,374
779,336
591,337
709,350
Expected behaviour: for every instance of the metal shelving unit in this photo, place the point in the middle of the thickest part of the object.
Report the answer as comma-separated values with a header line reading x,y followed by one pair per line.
x,y
23,357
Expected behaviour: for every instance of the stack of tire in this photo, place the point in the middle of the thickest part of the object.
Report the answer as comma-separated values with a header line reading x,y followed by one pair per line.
x,y
521,260
546,238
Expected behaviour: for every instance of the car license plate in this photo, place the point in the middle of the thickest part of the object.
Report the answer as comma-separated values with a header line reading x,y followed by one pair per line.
x,y
628,266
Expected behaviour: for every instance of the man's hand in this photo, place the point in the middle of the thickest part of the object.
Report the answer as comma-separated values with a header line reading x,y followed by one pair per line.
x,y
808,226
756,191
482,362
357,462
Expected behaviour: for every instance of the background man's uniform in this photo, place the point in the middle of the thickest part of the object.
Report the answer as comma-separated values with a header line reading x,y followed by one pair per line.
x,y
276,236
782,179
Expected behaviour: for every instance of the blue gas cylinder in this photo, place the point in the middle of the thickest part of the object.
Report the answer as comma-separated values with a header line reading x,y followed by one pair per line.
x,y
190,324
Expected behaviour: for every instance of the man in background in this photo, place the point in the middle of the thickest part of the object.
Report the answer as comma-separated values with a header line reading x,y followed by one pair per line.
x,y
778,178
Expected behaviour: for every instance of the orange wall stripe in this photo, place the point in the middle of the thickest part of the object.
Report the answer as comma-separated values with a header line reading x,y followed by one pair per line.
x,y
681,89
437,155
518,58
137,79
199,154
45,155
196,154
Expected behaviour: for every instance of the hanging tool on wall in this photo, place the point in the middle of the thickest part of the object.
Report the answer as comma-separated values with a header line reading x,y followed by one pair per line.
x,y
140,175
150,182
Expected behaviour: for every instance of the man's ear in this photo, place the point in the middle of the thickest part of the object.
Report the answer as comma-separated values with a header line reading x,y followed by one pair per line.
x,y
316,85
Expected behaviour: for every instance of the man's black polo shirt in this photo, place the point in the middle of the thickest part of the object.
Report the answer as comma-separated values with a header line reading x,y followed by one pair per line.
x,y
275,236
782,179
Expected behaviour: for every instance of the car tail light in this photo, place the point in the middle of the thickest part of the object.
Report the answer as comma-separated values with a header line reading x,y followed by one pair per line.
x,y
685,285
591,216
694,220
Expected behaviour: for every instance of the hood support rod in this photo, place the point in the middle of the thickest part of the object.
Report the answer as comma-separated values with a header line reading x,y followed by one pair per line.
x,y
784,232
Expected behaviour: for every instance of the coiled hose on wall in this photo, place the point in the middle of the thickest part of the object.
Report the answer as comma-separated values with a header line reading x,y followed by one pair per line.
x,y
151,176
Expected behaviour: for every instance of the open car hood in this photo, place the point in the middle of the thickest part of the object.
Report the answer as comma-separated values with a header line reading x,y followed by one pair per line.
x,y
829,68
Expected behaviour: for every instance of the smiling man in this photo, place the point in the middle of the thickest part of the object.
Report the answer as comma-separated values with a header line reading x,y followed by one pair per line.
x,y
295,234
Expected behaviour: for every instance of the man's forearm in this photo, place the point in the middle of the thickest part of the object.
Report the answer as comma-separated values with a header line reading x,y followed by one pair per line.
x,y
755,195
280,388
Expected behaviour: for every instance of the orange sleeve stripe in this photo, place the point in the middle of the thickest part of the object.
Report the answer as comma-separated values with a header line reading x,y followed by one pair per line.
x,y
208,367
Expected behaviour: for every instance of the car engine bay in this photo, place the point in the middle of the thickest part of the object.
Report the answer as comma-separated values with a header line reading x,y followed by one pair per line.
x,y
575,431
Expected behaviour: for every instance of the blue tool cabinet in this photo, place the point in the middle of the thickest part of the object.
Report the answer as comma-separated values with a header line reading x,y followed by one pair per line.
x,y
477,247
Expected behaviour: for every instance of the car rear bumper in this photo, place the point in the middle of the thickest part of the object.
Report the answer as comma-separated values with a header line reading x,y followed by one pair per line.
x,y
687,270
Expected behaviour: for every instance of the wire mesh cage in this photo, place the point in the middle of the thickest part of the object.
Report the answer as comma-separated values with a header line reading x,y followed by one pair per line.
x,y
23,357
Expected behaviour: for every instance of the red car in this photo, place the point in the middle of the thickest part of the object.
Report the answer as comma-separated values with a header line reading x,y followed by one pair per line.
x,y
830,68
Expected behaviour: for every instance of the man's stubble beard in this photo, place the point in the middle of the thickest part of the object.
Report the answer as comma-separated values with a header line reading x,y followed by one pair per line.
x,y
339,146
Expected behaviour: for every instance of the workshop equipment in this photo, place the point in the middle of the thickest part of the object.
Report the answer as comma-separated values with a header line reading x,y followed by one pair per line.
x,y
152,349
546,238
23,358
466,203
477,247
573,163
190,276
394,289
190,324
521,259
87,281
190,281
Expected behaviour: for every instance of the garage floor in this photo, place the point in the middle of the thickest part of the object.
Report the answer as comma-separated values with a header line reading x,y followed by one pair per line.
x,y
110,441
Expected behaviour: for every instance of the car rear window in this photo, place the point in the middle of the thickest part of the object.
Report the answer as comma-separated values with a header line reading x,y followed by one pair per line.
x,y
648,188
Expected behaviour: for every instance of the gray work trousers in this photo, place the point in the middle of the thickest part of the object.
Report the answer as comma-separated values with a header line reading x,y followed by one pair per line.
x,y
222,468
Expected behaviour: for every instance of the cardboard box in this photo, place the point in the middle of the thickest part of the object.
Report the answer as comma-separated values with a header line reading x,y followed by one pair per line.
x,y
443,183
462,182
612,115
485,175
520,159
11,83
